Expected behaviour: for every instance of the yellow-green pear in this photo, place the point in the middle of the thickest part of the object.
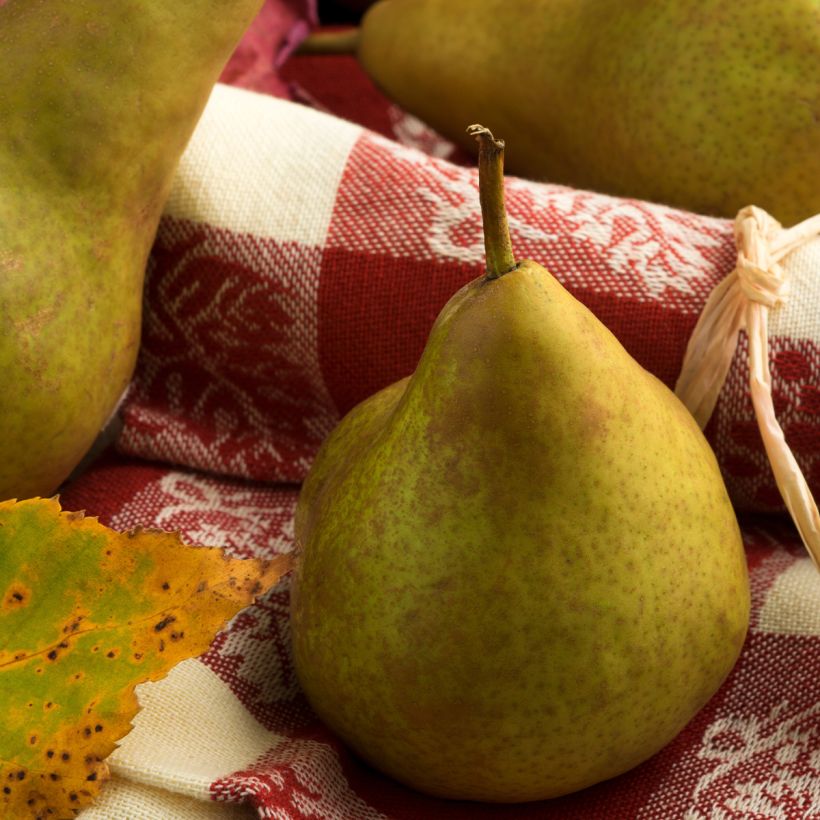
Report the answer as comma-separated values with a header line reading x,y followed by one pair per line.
x,y
518,570
709,105
97,102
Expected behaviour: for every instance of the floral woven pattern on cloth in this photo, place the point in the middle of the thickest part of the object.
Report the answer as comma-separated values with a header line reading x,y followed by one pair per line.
x,y
302,260
232,726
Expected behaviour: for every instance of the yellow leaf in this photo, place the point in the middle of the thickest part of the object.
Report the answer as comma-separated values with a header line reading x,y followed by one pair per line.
x,y
86,614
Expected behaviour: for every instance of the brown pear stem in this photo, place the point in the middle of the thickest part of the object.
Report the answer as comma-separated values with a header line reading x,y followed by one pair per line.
x,y
344,41
497,243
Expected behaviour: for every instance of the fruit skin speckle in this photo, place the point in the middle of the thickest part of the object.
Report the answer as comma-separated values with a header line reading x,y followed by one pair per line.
x,y
706,106
584,564
519,570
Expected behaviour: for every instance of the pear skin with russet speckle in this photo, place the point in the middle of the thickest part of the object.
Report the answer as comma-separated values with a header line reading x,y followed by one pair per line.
x,y
705,105
519,571
97,102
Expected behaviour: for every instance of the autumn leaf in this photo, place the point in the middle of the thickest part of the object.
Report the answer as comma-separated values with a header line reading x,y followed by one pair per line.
x,y
86,614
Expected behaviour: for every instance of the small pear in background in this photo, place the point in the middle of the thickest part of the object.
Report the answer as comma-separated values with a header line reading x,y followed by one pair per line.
x,y
709,106
519,572
97,102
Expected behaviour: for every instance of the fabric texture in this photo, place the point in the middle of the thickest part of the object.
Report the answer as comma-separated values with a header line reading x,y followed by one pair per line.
x,y
298,268
302,260
232,725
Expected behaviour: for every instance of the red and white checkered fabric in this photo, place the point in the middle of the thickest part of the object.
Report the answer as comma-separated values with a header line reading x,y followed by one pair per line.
x,y
299,266
232,725
302,260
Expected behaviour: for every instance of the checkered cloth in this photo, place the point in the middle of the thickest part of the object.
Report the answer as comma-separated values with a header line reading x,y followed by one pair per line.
x,y
298,268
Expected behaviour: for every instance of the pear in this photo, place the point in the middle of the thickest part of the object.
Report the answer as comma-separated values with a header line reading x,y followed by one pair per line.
x,y
709,106
518,570
97,102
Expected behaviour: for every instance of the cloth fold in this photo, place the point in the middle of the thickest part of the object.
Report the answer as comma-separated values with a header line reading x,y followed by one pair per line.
x,y
302,260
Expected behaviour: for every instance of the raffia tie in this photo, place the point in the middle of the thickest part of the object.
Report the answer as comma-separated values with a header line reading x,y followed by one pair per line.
x,y
742,301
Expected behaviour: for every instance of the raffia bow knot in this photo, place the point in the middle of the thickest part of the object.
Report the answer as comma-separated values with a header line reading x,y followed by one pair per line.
x,y
742,301
761,278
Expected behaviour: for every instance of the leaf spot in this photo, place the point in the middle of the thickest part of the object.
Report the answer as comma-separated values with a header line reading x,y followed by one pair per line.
x,y
169,619
16,596
73,626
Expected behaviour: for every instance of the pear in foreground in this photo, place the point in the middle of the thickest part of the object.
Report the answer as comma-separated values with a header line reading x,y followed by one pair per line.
x,y
97,102
519,570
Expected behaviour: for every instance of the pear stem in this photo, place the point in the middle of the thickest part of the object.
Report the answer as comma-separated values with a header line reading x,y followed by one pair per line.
x,y
497,243
344,41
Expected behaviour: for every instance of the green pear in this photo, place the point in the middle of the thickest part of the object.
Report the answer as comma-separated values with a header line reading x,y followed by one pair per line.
x,y
97,102
518,570
710,106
